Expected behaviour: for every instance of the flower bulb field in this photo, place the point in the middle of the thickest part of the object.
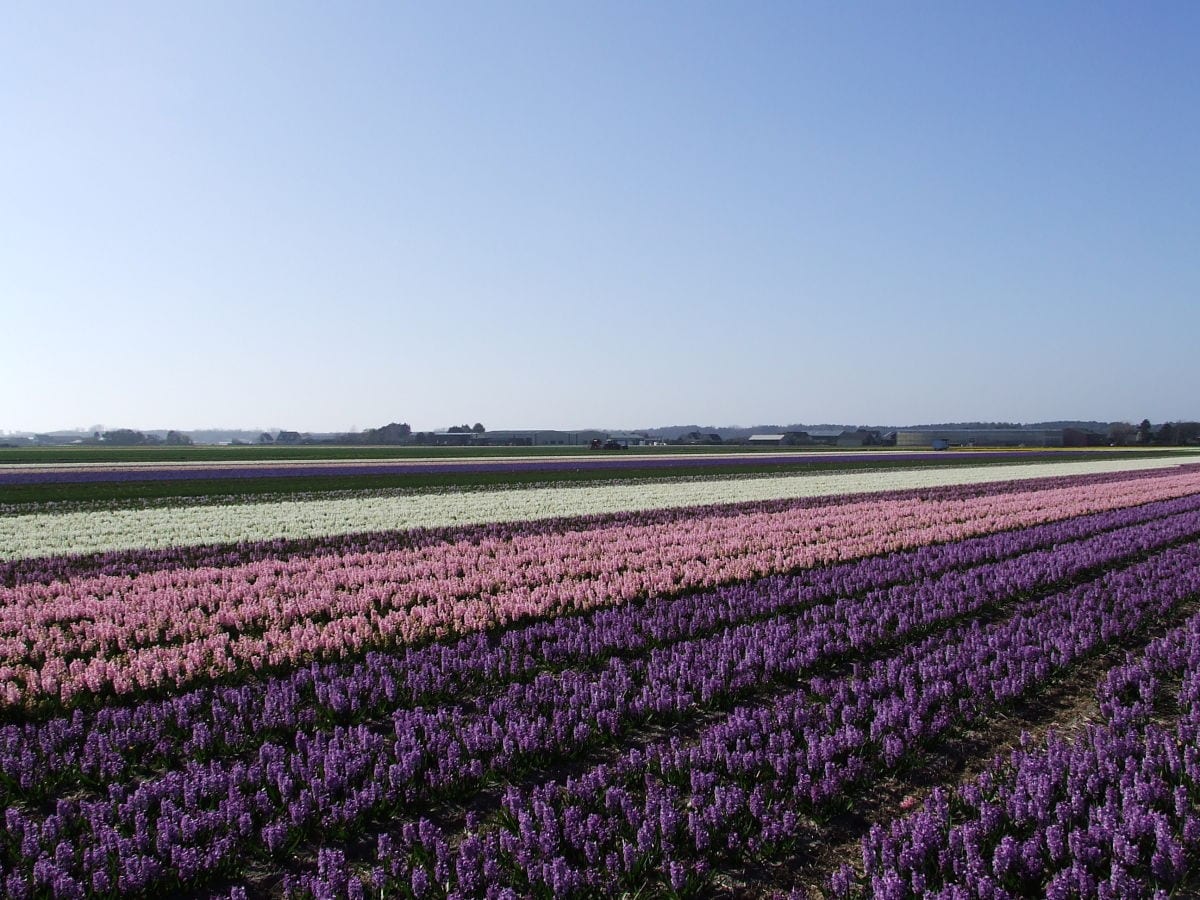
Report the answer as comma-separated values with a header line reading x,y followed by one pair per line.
x,y
979,678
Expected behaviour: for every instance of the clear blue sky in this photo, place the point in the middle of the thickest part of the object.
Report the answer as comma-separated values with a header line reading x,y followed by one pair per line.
x,y
319,216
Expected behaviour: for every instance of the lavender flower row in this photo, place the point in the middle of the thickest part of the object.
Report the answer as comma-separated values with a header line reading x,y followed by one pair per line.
x,y
1114,813
665,812
206,817
43,570
901,591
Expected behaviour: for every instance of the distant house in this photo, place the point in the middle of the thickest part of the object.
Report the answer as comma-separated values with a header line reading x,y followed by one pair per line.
x,y
859,437
846,437
786,439
546,438
1081,437
629,438
829,438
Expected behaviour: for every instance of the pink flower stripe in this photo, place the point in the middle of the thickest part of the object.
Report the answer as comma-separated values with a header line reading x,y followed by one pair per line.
x,y
89,636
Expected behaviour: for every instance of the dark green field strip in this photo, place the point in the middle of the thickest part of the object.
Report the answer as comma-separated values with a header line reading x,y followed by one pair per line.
x,y
165,489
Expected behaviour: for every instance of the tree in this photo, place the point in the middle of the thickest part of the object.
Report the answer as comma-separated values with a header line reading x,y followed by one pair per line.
x,y
1166,434
392,433
124,437
1145,432
178,439
478,428
1121,433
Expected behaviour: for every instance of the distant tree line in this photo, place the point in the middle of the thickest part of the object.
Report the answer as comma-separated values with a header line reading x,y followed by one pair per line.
x,y
394,433
128,437
1119,434
1168,434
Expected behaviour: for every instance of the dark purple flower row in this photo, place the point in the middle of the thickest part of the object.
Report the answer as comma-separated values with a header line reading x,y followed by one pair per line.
x,y
665,813
1113,814
206,817
699,462
132,562
68,752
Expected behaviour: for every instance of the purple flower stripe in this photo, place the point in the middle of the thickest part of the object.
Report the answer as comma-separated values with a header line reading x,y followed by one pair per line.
x,y
207,816
741,787
1112,814
83,749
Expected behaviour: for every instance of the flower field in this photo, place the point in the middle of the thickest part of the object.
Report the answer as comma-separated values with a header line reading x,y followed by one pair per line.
x,y
56,534
834,684
84,472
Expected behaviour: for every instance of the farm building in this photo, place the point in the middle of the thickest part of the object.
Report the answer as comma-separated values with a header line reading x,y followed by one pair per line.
x,y
545,438
849,437
982,437
785,439
631,439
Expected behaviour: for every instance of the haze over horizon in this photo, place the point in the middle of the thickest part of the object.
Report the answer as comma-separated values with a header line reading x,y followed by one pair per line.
x,y
537,216
585,427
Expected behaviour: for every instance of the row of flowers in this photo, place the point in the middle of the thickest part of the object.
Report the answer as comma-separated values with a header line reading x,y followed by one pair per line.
x,y
749,783
75,639
838,609
128,562
1113,813
733,789
50,534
